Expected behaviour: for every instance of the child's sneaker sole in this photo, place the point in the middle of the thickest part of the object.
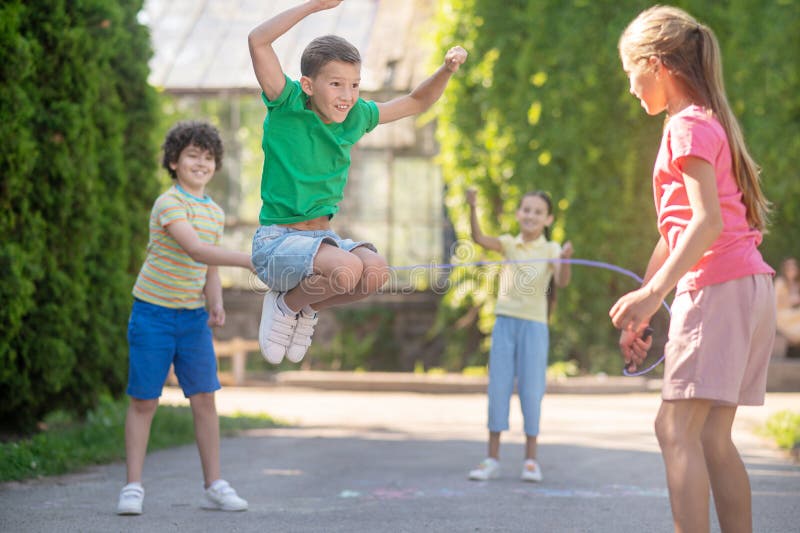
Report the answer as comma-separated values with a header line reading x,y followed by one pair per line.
x,y
211,506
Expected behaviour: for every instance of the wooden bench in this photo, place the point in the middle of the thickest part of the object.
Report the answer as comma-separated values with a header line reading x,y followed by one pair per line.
x,y
236,349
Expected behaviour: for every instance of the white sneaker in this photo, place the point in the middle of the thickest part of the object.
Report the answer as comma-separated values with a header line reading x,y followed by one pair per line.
x,y
221,497
131,498
276,329
488,469
531,471
301,339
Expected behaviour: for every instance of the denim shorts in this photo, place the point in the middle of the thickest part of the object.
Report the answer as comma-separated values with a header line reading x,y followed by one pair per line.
x,y
284,256
159,336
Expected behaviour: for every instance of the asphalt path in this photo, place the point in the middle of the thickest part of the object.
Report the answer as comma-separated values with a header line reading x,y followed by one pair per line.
x,y
398,462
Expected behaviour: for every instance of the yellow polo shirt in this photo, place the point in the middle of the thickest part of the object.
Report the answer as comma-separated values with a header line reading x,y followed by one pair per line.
x,y
523,286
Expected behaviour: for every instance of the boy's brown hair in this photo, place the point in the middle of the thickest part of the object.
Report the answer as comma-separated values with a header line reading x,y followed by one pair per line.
x,y
325,49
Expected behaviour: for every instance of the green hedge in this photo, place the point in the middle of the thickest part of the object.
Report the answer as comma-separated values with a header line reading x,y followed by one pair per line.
x,y
77,170
543,103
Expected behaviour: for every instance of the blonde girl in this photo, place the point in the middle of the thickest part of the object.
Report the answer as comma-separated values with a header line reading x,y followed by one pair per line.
x,y
711,213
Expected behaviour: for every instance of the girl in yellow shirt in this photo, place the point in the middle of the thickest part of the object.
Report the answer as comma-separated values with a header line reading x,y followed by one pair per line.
x,y
520,338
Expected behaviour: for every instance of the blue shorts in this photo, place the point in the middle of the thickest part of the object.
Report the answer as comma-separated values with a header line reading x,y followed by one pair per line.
x,y
284,256
519,349
159,336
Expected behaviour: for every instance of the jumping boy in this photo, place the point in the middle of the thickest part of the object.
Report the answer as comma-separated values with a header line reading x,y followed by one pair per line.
x,y
310,126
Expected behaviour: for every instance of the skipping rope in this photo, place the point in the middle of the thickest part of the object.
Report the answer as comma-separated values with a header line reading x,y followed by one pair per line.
x,y
583,262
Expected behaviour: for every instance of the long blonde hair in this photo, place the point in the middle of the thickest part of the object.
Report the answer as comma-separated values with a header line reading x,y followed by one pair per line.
x,y
689,50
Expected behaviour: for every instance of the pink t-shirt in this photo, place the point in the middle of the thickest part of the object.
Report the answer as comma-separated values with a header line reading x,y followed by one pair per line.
x,y
695,132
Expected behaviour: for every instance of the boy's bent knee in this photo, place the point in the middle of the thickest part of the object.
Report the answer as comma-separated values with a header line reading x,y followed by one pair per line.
x,y
344,279
375,275
339,269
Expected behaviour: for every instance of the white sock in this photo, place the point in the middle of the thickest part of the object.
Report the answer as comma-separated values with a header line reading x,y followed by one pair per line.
x,y
283,307
215,483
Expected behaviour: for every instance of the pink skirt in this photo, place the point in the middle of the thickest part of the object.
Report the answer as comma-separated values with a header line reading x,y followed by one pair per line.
x,y
720,342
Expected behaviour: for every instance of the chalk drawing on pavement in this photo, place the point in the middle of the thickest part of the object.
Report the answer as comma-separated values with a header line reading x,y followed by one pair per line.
x,y
606,491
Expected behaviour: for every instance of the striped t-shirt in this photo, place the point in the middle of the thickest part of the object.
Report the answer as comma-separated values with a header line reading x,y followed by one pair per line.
x,y
169,276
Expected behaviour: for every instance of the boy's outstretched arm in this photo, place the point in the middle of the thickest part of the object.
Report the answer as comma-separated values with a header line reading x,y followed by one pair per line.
x,y
426,93
187,238
265,62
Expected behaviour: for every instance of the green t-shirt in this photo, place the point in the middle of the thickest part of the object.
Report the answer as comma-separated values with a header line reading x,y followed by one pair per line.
x,y
305,160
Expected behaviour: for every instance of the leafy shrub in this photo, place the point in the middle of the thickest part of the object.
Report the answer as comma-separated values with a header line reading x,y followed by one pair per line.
x,y
543,103
77,166
784,427
363,340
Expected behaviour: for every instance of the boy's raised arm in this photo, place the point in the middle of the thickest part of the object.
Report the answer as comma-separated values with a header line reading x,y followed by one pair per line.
x,y
426,93
265,62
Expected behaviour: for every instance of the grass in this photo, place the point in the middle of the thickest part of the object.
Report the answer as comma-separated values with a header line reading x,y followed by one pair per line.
x,y
475,371
784,428
66,445
562,369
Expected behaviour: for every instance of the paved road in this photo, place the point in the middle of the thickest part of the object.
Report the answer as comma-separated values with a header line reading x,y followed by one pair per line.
x,y
397,462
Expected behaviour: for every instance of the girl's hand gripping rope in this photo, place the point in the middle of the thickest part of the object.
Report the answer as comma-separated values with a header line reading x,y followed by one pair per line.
x,y
634,347
631,314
